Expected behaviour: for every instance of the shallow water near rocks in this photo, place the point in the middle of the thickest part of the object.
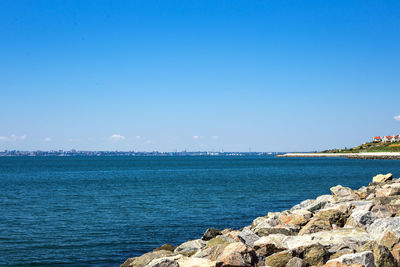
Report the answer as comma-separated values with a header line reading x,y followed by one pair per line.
x,y
102,210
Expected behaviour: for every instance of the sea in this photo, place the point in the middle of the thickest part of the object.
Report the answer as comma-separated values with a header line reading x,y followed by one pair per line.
x,y
99,211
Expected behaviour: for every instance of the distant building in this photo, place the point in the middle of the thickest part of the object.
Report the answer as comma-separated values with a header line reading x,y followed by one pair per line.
x,y
377,139
387,139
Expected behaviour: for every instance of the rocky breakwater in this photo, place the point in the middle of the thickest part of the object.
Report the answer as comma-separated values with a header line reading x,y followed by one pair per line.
x,y
347,228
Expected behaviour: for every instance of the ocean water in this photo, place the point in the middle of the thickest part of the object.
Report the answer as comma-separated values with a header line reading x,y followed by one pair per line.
x,y
99,211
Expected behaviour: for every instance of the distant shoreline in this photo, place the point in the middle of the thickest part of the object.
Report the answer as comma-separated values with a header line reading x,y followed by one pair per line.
x,y
366,155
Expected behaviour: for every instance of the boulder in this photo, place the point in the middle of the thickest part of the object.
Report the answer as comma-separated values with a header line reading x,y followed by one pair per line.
x,y
342,251
279,259
382,211
145,258
210,234
165,262
236,254
268,221
280,229
275,239
315,254
248,237
295,218
313,205
195,262
297,262
386,231
211,253
316,224
388,190
219,240
338,237
340,264
166,247
383,257
190,247
341,193
361,218
365,258
382,178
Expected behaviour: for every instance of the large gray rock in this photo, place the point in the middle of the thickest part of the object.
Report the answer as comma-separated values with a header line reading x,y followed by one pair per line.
x,y
190,247
165,262
341,193
361,218
365,258
248,237
313,205
342,236
386,231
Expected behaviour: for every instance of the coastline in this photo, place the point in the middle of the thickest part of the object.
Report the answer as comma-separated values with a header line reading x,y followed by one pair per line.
x,y
346,228
366,155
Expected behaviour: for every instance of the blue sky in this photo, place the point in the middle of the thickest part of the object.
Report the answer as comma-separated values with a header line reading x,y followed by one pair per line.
x,y
198,75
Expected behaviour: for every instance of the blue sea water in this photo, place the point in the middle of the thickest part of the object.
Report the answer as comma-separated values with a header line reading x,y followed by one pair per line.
x,y
99,211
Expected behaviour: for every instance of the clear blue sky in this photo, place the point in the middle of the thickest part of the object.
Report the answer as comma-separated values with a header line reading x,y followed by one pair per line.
x,y
198,75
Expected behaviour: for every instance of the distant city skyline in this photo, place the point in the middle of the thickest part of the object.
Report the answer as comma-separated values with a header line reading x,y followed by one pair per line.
x,y
198,75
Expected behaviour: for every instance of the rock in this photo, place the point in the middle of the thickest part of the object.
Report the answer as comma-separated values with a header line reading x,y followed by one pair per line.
x,y
339,264
365,258
236,254
284,230
297,262
316,224
219,240
295,218
190,247
341,252
361,218
165,262
211,253
279,259
341,193
315,254
313,205
382,178
388,190
383,257
248,237
396,252
195,262
386,231
338,237
275,239
165,247
210,233
145,258
269,221
382,211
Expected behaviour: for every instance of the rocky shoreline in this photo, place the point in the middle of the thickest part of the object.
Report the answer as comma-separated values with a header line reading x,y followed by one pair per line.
x,y
347,228
366,155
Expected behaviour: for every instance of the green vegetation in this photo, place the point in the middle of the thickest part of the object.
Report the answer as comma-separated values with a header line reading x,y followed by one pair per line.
x,y
369,147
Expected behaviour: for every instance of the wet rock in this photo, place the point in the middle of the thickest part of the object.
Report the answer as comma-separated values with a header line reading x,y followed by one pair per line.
x,y
383,257
210,234
382,178
279,259
365,258
248,237
297,262
145,258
